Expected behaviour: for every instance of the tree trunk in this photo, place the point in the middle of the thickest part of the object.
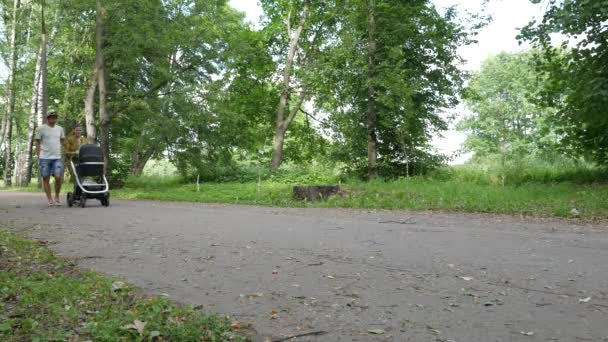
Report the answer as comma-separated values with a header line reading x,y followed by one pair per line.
x,y
37,108
43,97
8,136
139,160
372,140
89,108
104,116
277,146
282,124
279,137
18,160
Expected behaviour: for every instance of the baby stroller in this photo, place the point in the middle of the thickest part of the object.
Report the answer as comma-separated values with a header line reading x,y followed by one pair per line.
x,y
90,181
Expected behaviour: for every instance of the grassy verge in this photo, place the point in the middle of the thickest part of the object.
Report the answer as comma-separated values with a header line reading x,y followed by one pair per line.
x,y
417,193
45,298
544,192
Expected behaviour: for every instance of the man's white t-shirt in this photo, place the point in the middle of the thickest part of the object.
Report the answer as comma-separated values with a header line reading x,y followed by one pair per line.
x,y
50,141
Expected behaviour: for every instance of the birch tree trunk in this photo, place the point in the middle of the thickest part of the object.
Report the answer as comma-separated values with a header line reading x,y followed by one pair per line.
x,y
372,139
8,135
282,123
18,160
31,125
104,116
38,106
89,108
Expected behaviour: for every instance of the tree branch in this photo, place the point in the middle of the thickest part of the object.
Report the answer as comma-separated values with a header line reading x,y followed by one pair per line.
x,y
310,115
294,111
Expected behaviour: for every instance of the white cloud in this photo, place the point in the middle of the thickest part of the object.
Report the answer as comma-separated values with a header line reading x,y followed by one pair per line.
x,y
252,9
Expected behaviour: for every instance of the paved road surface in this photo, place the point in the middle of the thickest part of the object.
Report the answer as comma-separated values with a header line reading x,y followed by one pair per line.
x,y
416,276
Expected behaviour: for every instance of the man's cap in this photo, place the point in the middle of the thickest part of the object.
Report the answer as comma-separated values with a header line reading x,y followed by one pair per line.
x,y
51,114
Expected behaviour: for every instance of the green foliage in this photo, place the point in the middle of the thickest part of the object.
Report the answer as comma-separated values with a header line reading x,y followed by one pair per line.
x,y
534,189
505,121
413,76
44,298
576,72
522,173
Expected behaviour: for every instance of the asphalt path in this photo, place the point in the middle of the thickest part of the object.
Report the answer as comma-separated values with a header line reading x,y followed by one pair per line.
x,y
355,275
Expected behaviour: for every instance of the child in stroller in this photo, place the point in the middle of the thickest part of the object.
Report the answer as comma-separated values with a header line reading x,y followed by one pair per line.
x,y
90,181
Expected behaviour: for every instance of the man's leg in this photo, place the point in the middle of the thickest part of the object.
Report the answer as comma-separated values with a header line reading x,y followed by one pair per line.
x,y
46,183
45,173
58,172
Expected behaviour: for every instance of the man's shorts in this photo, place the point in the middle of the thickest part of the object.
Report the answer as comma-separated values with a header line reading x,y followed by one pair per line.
x,y
50,167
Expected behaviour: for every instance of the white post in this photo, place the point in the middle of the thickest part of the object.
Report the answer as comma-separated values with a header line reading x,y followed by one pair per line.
x,y
198,185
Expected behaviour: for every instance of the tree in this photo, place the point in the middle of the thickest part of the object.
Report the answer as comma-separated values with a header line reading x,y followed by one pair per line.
x,y
505,121
297,29
391,68
104,115
98,82
576,74
9,116
38,106
232,123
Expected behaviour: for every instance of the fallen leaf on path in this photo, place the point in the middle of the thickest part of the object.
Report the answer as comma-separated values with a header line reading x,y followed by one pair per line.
x,y
237,325
137,325
376,331
467,278
585,300
330,277
252,295
118,285
274,314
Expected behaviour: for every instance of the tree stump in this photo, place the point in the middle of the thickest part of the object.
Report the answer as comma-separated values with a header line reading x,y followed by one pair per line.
x,y
314,193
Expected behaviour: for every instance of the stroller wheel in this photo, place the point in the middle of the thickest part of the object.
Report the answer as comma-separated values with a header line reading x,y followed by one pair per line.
x,y
105,201
70,199
83,201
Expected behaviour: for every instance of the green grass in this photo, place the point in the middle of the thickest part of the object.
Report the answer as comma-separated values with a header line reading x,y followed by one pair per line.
x,y
45,298
463,193
532,190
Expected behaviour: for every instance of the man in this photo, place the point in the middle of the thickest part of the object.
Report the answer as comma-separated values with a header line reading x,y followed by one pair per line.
x,y
71,148
49,139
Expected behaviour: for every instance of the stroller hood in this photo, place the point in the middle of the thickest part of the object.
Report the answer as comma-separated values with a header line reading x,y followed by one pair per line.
x,y
90,153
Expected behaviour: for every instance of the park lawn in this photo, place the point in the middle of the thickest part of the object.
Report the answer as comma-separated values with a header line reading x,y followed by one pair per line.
x,y
417,193
46,298
541,194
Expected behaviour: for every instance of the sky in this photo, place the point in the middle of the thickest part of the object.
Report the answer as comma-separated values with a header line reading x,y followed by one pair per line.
x,y
508,16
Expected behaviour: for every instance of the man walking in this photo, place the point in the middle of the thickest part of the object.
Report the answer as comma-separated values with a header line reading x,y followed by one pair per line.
x,y
49,139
